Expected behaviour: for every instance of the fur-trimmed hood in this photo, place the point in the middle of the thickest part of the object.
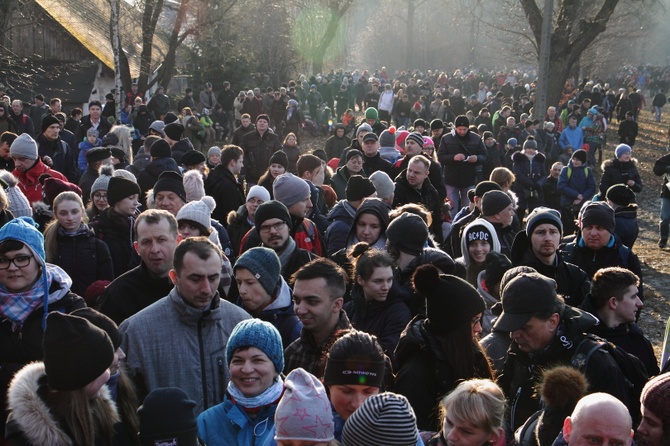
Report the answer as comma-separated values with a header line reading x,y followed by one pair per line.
x,y
618,164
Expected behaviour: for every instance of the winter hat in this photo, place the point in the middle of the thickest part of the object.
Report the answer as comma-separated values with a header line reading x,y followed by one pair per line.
x,y
94,291
370,137
359,187
110,139
462,121
174,130
263,116
24,230
48,120
512,142
383,184
450,300
401,136
51,187
321,154
167,416
620,194
593,111
305,402
530,143
169,119
494,201
386,418
478,229
580,155
125,174
264,264
260,334
160,149
541,215
387,138
656,396
290,189
416,137
75,351
102,322
436,124
428,142
192,158
119,188
408,232
621,149
486,186
158,126
371,113
351,154
214,150
199,211
98,154
365,127
522,297
259,192
194,186
23,147
170,181
102,182
496,265
279,157
598,213
271,209
420,123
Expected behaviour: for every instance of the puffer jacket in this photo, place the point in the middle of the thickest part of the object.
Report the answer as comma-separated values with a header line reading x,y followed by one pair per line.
x,y
116,232
574,181
616,172
341,218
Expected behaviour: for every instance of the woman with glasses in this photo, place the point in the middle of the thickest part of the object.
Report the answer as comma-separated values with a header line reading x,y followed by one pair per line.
x,y
98,195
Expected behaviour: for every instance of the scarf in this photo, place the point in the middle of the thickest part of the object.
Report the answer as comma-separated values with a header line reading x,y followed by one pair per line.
x,y
285,254
269,396
82,230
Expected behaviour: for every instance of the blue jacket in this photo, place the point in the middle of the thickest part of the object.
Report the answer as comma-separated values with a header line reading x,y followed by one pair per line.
x,y
227,424
577,182
571,137
341,218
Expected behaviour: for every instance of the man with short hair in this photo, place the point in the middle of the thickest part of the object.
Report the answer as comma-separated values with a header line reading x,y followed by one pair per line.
x,y
245,127
207,97
258,146
23,122
318,297
6,140
226,98
223,185
372,159
186,101
38,109
59,152
414,146
600,419
311,169
572,135
654,429
93,120
180,340
159,104
554,118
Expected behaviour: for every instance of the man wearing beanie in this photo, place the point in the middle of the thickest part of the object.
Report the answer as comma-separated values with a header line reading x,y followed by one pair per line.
x,y
178,145
166,417
621,198
577,184
338,142
61,154
259,145
372,159
387,145
462,155
413,147
384,186
655,426
372,119
311,169
531,174
161,161
29,167
223,185
356,143
537,247
499,209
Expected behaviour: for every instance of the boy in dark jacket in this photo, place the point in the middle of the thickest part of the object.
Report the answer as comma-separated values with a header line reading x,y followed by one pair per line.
x,y
530,172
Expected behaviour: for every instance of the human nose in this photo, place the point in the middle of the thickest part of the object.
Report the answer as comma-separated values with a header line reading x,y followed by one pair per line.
x,y
358,400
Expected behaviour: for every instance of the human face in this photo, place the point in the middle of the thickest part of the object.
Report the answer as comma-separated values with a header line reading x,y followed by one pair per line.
x,y
591,428
100,200
198,279
355,164
551,112
127,206
464,433
572,122
506,216
650,429
253,295
556,171
360,136
95,112
370,147
261,125
51,132
377,286
169,201
290,141
4,150
23,164
595,236
347,398
545,240
625,157
314,306
536,334
627,308
461,131
489,141
412,148
92,389
339,133
236,166
92,139
251,371
214,159
276,170
119,356
245,122
19,279
187,230
476,326
251,205
155,244
68,214
301,208
478,250
368,228
17,107
576,162
416,174
271,236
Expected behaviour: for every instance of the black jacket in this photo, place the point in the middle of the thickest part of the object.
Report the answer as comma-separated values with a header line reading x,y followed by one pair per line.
x,y
372,164
149,175
428,196
61,155
116,231
180,148
103,128
222,185
661,168
460,173
434,174
257,152
616,172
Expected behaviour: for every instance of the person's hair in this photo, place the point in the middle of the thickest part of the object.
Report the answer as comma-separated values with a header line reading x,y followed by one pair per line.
x,y
413,208
307,163
189,90
352,343
203,230
76,111
8,137
154,217
367,259
245,115
321,268
420,159
230,153
502,176
187,111
479,402
10,245
611,282
200,246
51,231
125,140
54,101
4,201
39,96
287,136
149,141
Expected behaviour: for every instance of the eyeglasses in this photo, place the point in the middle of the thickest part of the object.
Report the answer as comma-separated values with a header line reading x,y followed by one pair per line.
x,y
100,197
475,320
20,261
277,227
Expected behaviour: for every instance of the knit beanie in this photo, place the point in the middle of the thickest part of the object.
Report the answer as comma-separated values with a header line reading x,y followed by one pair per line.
x,y
75,351
271,209
656,397
530,143
352,154
401,136
167,417
158,126
486,186
387,138
279,157
598,213
486,135
462,121
213,151
170,118
199,211
194,186
264,264
622,149
259,192
48,120
408,232
120,188
305,402
359,187
123,173
541,215
51,187
512,142
416,137
365,127
371,113
23,147
496,265
110,139
436,124
170,181
620,194
160,149
24,230
493,202
102,182
192,158
102,322
580,155
386,418
290,189
321,154
174,130
477,230
263,116
420,123
260,334
451,302
383,184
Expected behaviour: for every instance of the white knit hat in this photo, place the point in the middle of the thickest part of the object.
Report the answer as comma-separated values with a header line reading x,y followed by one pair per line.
x,y
259,192
199,211
193,185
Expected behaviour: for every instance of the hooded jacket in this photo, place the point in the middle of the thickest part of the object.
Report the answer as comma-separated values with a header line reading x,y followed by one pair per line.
x,y
616,172
149,175
341,219
495,243
29,180
406,193
574,181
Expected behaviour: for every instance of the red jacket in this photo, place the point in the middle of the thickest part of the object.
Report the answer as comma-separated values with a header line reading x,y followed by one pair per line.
x,y
29,180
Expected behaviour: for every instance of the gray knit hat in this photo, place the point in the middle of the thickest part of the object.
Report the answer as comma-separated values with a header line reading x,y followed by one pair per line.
x,y
290,189
383,184
264,264
199,211
158,126
416,137
24,147
214,150
102,182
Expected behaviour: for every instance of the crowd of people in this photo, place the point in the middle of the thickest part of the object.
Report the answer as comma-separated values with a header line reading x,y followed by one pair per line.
x,y
451,266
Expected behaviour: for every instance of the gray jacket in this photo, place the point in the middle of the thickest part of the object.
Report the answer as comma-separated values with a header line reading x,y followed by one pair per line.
x,y
171,344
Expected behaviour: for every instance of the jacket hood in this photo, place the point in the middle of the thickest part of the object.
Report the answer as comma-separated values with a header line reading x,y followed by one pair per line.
x,y
160,165
341,210
520,156
495,243
618,164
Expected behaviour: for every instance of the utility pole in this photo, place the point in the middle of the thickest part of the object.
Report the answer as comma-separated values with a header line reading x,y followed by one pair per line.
x,y
540,105
114,26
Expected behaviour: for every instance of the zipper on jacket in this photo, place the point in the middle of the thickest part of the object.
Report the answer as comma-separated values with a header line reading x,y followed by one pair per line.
x,y
222,376
203,372
515,401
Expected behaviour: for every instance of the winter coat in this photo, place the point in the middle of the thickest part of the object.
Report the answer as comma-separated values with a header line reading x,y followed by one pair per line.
x,y
117,233
552,196
196,360
461,173
227,424
159,105
340,180
571,137
180,148
335,146
29,180
574,181
530,175
434,174
661,169
626,226
257,152
341,219
617,172
372,164
228,193
428,196
103,128
238,226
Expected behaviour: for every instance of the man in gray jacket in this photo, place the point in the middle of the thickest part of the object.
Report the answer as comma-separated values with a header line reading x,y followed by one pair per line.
x,y
180,341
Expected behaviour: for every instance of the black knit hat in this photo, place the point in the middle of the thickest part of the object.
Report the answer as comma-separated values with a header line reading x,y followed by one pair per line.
x,y
485,186
580,155
496,264
598,213
436,124
120,188
279,157
271,209
75,351
620,194
420,123
450,300
160,149
174,130
192,158
407,232
170,181
102,322
462,121
493,202
359,187
48,120
486,135
352,153
167,416
263,116
541,215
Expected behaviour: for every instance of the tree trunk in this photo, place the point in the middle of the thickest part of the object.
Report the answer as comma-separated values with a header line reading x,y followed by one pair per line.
x,y
337,11
409,54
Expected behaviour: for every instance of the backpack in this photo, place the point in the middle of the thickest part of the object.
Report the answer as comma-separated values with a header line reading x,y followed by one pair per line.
x,y
586,172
